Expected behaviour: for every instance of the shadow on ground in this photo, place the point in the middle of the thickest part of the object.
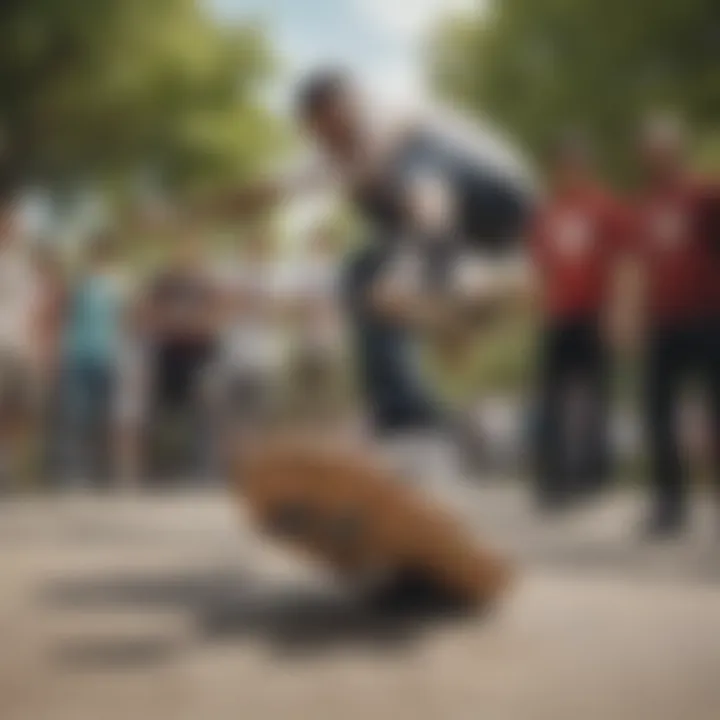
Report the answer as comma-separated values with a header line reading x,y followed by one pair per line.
x,y
228,607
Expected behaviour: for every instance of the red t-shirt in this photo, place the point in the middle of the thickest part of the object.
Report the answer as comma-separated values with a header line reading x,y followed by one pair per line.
x,y
676,237
575,243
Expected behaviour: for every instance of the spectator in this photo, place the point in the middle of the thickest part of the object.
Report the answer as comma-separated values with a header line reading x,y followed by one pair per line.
x,y
51,307
91,343
253,348
18,343
676,234
181,314
132,387
575,243
316,360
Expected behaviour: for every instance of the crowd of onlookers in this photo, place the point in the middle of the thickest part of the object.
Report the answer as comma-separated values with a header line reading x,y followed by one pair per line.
x,y
118,379
107,377
640,274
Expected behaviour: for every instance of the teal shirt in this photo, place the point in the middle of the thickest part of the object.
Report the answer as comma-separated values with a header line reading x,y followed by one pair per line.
x,y
93,328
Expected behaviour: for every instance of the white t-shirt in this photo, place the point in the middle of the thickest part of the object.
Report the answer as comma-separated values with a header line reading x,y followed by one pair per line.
x,y
19,298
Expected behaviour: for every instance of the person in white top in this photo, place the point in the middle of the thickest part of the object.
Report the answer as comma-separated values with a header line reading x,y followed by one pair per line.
x,y
254,345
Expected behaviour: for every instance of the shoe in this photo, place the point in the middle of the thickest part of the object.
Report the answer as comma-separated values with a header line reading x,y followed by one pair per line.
x,y
665,522
411,593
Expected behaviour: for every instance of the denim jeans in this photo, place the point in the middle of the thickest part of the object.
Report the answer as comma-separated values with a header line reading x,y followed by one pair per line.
x,y
87,396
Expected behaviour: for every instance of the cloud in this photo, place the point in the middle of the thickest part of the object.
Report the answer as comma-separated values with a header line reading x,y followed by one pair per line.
x,y
407,20
381,41
404,26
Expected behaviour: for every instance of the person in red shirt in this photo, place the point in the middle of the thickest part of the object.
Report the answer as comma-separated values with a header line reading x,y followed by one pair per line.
x,y
575,243
677,245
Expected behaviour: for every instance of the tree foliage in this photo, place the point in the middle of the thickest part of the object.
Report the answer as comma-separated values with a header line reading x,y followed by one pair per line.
x,y
91,89
539,65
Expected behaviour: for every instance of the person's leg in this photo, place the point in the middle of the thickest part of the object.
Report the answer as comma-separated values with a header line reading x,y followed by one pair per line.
x,y
27,431
93,426
186,415
466,432
126,449
199,424
51,430
75,398
162,392
156,440
595,444
13,419
663,379
550,472
6,422
102,417
173,411
129,416
711,372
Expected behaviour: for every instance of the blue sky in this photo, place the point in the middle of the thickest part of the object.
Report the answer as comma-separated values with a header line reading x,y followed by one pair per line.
x,y
380,40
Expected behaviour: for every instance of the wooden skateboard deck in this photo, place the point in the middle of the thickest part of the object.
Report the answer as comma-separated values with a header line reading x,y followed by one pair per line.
x,y
341,507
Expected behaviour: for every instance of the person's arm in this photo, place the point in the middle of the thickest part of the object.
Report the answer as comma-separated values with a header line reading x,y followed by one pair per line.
x,y
625,313
485,287
400,295
408,307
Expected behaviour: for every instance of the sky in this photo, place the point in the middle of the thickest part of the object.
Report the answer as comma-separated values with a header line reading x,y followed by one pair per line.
x,y
380,40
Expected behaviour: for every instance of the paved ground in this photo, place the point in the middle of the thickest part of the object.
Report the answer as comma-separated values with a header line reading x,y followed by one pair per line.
x,y
168,607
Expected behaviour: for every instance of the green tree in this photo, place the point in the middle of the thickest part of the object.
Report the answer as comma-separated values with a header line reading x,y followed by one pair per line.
x,y
99,89
539,65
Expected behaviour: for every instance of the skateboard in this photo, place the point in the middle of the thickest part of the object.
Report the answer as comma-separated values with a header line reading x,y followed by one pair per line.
x,y
342,507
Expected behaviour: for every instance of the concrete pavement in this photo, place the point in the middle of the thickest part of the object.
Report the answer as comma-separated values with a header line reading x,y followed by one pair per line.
x,y
171,607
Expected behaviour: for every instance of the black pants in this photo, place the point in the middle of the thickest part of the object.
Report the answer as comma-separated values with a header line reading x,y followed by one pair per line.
x,y
572,451
179,427
676,354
